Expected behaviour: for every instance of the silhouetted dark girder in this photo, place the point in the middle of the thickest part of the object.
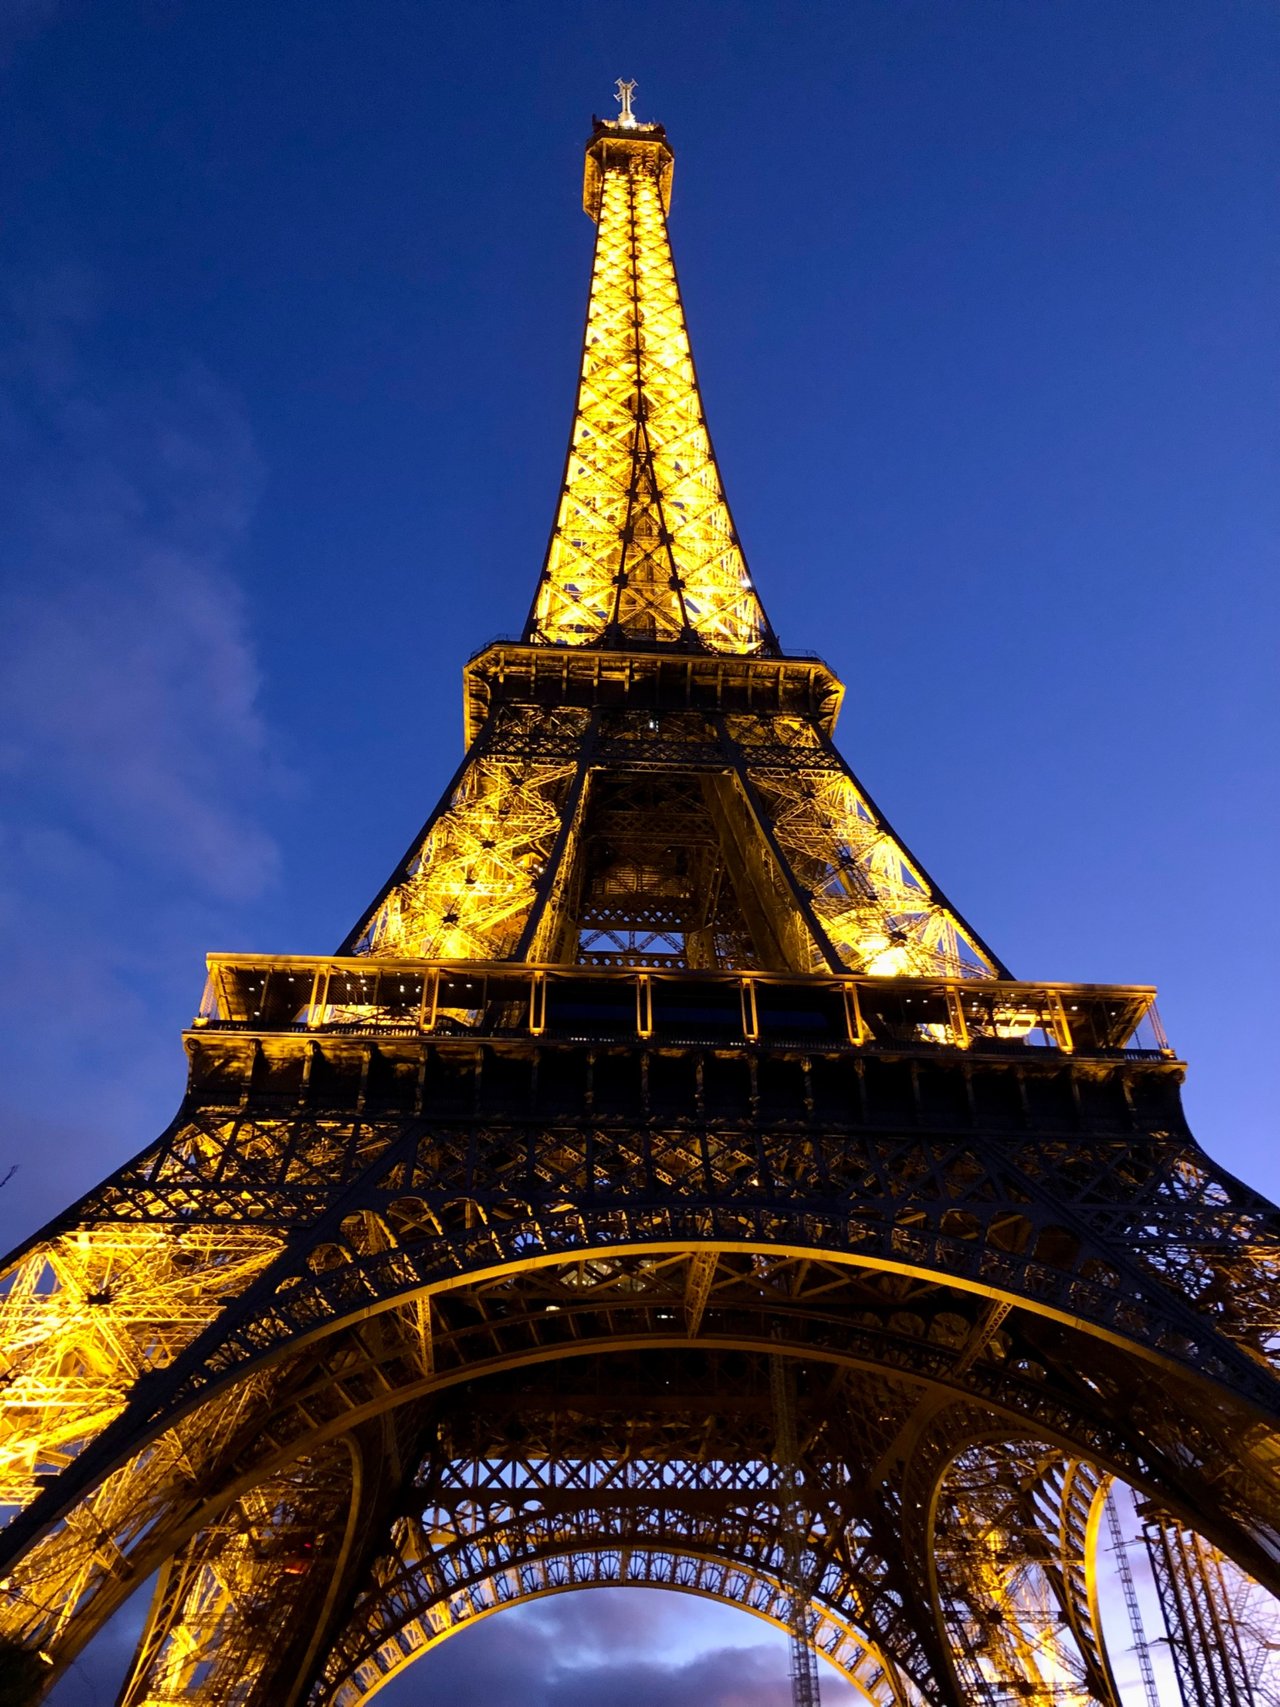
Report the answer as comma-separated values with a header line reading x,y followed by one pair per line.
x,y
659,1088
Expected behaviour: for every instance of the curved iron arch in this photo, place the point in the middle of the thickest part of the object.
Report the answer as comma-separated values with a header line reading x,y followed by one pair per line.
x,y
284,1310
729,1582
483,1557
899,1352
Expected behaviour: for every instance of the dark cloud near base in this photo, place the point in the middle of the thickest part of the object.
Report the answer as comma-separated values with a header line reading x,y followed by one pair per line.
x,y
594,1648
623,1647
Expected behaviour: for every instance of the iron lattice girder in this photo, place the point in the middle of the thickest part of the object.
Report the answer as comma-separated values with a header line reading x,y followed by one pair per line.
x,y
643,547
220,1610
1015,1555
824,882
897,1185
613,1490
1223,1628
418,1619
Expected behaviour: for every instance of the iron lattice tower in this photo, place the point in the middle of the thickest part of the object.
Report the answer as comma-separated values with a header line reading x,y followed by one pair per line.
x,y
460,1274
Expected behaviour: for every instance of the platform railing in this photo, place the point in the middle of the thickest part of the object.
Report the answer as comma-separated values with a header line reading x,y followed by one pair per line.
x,y
364,996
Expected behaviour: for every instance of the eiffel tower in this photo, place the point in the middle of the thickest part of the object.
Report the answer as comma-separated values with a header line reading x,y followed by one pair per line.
x,y
659,1079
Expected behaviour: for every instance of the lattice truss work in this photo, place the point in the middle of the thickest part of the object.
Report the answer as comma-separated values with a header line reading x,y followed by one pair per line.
x,y
86,1314
1223,1632
221,1461
466,889
1016,1556
644,548
216,1616
758,847
669,839
659,1064
690,1501
873,904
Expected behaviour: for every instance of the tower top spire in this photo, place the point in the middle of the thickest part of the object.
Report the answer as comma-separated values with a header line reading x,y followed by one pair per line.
x,y
625,91
644,552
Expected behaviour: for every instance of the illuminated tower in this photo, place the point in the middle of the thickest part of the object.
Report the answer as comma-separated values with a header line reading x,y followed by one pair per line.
x,y
660,1094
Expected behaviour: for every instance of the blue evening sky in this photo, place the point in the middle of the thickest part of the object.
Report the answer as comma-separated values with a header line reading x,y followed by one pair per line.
x,y
983,300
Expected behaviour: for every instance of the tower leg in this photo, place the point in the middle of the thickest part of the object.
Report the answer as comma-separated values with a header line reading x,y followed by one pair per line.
x,y
1199,1615
241,1613
1119,1549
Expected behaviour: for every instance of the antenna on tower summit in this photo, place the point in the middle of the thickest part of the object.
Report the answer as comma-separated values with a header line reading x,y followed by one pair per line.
x,y
623,97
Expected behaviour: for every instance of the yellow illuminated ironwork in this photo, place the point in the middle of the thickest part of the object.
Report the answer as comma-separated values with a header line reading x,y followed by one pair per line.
x,y
220,1604
468,889
877,907
1016,1553
86,1314
644,547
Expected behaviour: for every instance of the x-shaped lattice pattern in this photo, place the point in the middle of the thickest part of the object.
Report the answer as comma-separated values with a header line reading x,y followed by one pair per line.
x,y
644,547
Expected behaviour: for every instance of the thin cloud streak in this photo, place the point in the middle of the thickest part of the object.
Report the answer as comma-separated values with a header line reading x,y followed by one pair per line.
x,y
136,767
128,700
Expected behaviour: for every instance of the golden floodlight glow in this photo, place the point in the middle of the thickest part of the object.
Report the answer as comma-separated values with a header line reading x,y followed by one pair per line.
x,y
644,547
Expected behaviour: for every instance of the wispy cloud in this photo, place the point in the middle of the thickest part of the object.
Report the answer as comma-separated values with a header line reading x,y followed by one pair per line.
x,y
631,1648
135,762
128,698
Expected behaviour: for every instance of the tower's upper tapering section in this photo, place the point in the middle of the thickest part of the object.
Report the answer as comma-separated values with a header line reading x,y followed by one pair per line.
x,y
644,551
